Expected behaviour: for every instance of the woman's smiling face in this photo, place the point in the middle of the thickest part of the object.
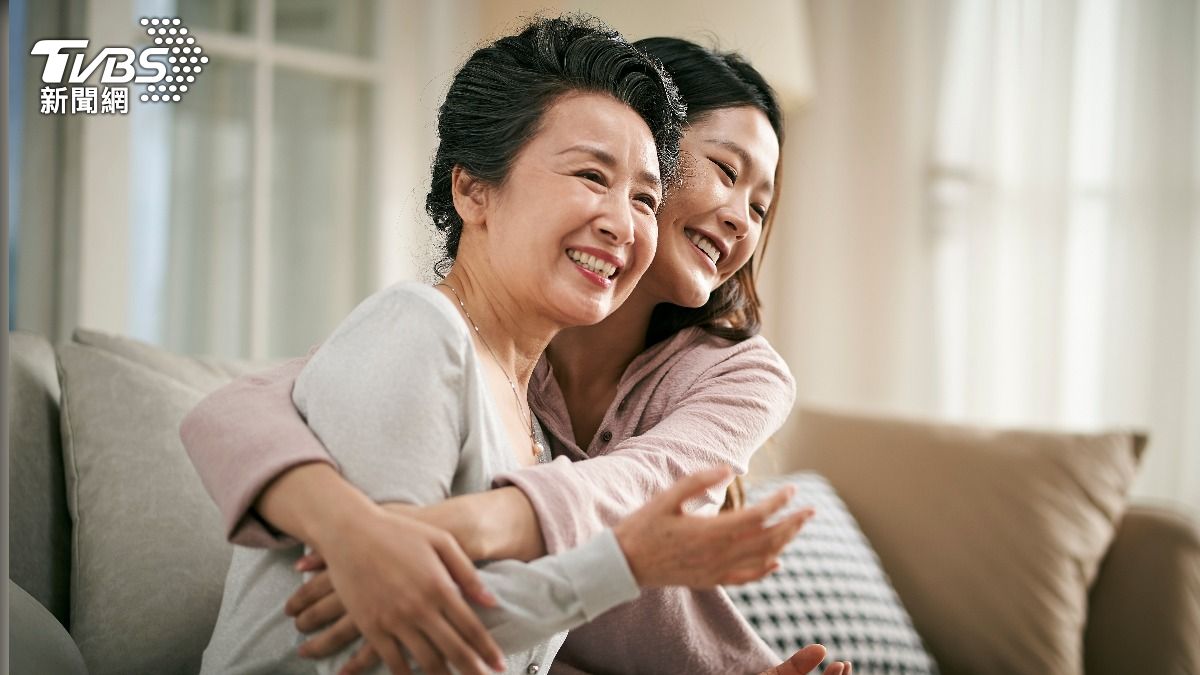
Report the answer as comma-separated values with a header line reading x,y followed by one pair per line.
x,y
711,223
572,228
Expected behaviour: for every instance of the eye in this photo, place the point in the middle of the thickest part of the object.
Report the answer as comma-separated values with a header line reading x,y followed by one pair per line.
x,y
594,176
649,200
760,210
729,171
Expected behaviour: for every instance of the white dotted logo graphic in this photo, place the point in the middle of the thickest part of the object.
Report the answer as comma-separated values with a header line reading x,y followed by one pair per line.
x,y
185,59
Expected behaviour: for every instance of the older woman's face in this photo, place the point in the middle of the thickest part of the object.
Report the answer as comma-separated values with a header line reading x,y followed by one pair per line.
x,y
711,224
573,226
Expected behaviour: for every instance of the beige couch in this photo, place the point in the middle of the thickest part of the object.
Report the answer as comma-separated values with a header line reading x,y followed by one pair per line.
x,y
113,537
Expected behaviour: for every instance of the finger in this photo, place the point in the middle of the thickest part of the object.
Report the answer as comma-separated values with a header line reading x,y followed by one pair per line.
x,y
389,650
849,668
454,648
331,640
673,498
463,571
425,654
766,543
364,658
834,668
477,637
767,507
320,614
309,592
310,563
803,661
752,519
467,623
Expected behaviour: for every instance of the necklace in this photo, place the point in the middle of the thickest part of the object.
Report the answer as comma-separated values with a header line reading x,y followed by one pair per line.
x,y
527,413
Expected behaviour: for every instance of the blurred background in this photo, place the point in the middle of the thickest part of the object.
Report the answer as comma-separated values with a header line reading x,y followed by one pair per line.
x,y
990,211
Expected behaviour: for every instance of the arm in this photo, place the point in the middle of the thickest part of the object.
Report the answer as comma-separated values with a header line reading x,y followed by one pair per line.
x,y
721,419
244,436
733,408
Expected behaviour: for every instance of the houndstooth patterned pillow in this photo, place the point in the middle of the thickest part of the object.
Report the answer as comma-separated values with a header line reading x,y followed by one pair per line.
x,y
831,590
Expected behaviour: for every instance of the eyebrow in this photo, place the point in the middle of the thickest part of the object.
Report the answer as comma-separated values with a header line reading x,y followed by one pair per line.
x,y
608,159
742,155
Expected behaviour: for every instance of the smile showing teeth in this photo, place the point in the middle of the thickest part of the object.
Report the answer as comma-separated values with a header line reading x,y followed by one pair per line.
x,y
592,264
705,244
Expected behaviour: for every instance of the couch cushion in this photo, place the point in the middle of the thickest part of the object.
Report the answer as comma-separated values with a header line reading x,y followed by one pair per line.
x,y
992,538
38,643
148,555
40,529
830,589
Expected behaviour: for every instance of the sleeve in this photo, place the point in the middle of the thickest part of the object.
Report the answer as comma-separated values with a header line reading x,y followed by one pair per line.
x,y
723,418
385,394
243,436
391,395
557,592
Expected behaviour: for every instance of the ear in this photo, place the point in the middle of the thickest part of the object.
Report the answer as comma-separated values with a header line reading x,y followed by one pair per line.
x,y
470,196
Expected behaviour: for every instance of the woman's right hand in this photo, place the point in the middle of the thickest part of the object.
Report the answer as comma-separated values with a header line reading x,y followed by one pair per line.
x,y
399,581
666,546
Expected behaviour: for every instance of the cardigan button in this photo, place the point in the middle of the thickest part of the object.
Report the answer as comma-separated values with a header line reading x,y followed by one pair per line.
x,y
606,435
533,669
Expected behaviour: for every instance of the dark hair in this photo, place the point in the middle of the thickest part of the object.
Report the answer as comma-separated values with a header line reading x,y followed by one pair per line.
x,y
497,99
711,80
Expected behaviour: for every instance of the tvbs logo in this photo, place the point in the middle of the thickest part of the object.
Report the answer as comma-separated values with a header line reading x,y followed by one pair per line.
x,y
167,68
117,62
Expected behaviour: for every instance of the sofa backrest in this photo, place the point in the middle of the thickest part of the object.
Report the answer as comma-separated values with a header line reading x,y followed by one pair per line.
x,y
39,524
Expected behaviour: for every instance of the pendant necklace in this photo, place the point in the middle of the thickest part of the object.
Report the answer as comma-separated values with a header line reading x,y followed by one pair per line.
x,y
527,413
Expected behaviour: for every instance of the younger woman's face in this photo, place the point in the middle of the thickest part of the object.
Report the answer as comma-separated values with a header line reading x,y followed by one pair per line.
x,y
711,223
572,228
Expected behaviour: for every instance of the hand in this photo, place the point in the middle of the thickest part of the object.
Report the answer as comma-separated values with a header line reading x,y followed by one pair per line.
x,y
399,580
316,605
667,547
803,661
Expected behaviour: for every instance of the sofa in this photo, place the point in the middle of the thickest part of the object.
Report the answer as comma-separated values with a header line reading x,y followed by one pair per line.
x,y
117,556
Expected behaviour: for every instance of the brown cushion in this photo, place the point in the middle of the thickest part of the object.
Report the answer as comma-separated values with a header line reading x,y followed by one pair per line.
x,y
991,538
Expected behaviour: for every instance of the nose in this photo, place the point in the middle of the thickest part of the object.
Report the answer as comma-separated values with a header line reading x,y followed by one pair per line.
x,y
618,223
737,220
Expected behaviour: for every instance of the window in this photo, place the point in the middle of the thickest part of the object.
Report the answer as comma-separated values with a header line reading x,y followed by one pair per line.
x,y
247,219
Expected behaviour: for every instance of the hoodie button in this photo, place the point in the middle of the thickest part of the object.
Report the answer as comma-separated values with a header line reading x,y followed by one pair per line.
x,y
606,435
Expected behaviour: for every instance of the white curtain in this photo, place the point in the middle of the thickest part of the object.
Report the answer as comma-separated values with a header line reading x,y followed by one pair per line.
x,y
993,208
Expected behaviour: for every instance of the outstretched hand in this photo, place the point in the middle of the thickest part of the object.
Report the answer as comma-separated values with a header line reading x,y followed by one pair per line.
x,y
666,546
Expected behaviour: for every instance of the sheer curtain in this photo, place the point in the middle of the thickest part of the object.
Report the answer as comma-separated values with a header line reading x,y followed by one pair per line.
x,y
1023,246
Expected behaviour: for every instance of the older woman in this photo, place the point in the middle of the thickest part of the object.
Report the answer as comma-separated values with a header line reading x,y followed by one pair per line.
x,y
554,146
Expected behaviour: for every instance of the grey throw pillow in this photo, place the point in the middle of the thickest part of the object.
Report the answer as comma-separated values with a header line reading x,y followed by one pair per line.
x,y
148,553
831,590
